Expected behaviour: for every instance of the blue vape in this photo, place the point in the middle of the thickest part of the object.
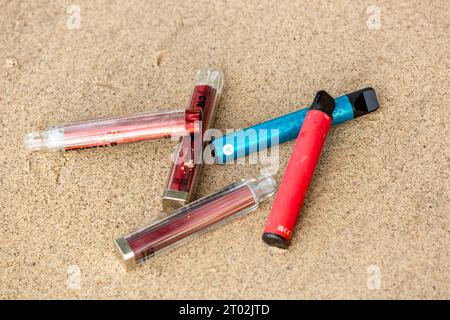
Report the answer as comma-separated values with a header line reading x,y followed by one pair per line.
x,y
279,130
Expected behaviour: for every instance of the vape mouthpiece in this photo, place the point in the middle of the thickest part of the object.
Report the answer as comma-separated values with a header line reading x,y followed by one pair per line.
x,y
323,102
210,77
363,101
44,140
263,186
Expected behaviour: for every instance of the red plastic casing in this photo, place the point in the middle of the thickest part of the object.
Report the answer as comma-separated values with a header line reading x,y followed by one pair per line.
x,y
298,175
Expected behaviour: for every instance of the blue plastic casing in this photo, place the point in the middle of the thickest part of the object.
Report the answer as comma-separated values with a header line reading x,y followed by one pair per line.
x,y
276,131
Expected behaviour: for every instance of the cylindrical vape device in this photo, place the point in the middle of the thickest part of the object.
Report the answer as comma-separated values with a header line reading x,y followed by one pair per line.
x,y
115,130
279,130
183,224
299,171
187,161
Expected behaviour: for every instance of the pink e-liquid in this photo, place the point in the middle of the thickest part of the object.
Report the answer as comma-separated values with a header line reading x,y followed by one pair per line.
x,y
112,131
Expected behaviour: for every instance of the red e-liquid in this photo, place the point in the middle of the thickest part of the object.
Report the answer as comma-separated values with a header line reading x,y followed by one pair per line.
x,y
299,172
186,167
182,225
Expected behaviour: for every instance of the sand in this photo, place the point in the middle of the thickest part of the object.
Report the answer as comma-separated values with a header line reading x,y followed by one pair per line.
x,y
376,220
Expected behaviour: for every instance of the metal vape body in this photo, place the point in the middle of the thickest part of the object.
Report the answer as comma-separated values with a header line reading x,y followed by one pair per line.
x,y
197,217
187,158
299,172
285,128
112,131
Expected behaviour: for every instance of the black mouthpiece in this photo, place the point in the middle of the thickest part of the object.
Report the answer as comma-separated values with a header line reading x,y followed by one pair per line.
x,y
363,101
323,102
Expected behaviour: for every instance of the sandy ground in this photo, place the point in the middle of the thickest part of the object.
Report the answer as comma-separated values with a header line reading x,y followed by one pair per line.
x,y
378,208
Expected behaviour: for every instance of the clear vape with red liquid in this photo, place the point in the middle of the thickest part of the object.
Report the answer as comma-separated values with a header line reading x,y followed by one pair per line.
x,y
112,131
195,218
187,160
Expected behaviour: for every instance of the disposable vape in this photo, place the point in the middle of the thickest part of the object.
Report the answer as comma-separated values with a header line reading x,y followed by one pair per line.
x,y
299,171
195,218
279,130
115,130
187,161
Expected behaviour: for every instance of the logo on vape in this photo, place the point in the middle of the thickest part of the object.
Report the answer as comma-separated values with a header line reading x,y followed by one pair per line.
x,y
201,101
228,149
338,112
112,144
148,254
284,230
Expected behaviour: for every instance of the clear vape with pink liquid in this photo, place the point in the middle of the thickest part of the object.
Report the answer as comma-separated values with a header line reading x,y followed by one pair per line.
x,y
110,131
195,218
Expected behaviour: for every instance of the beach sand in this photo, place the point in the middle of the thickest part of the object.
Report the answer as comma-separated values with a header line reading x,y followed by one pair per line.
x,y
376,220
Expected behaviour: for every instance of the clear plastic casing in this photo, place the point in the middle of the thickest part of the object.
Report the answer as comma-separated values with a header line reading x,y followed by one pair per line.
x,y
186,165
115,130
198,217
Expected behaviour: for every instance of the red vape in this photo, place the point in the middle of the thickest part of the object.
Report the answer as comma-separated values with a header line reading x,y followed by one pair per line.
x,y
187,160
299,172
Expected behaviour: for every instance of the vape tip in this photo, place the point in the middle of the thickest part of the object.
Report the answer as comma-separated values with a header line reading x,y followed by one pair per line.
x,y
35,141
323,102
363,101
210,77
44,140
264,186
275,240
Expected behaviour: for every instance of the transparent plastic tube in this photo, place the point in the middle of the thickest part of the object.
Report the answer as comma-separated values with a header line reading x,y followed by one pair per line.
x,y
186,166
115,130
200,216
